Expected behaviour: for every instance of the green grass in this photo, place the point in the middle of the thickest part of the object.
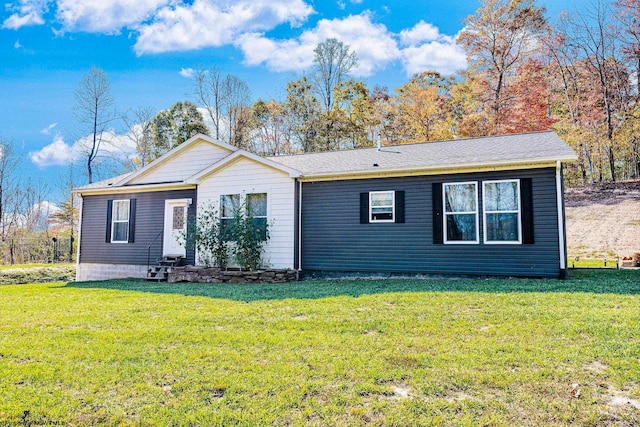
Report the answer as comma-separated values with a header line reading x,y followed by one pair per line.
x,y
354,352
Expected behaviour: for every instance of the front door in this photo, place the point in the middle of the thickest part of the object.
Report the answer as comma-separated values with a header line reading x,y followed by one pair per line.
x,y
175,227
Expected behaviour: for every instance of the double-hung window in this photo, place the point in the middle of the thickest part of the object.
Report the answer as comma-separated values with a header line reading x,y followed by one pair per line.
x,y
229,205
120,221
460,201
257,210
381,206
502,211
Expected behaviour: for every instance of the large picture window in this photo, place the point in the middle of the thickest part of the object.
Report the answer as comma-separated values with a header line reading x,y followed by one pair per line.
x,y
120,221
502,211
460,201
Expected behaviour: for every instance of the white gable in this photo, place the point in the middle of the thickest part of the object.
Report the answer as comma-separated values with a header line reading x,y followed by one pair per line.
x,y
180,164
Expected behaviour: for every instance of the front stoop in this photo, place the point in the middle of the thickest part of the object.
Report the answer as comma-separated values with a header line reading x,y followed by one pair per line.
x,y
163,269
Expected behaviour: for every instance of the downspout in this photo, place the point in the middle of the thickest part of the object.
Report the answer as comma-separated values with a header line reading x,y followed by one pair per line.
x,y
79,237
561,225
300,226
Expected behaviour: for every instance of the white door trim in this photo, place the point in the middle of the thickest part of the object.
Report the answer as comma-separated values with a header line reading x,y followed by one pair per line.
x,y
173,244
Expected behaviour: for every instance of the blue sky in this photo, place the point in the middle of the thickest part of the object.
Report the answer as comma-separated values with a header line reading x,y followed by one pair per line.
x,y
149,47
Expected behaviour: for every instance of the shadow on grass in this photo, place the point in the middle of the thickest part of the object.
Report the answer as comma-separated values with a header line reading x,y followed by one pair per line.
x,y
588,281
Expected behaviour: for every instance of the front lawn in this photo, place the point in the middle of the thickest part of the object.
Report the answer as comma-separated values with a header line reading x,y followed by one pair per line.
x,y
357,352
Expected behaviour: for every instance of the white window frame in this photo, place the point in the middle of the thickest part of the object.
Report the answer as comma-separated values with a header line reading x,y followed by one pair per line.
x,y
114,220
485,212
266,209
446,214
222,205
392,206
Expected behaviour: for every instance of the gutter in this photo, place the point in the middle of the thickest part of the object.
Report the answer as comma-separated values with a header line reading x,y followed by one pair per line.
x,y
141,188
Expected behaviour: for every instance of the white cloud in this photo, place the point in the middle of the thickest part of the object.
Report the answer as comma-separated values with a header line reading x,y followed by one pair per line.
x,y
421,32
56,153
420,48
17,45
205,24
113,146
373,44
187,72
425,48
106,16
25,12
48,129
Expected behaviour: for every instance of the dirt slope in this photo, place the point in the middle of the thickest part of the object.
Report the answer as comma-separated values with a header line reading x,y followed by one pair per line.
x,y
603,220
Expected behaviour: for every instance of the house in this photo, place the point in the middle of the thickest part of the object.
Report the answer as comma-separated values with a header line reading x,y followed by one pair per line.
x,y
479,206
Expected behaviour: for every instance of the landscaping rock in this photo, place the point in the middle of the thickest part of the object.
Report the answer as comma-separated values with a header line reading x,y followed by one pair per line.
x,y
193,274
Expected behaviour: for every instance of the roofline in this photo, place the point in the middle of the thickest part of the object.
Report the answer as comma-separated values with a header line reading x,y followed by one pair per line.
x,y
195,178
140,188
174,152
439,141
465,168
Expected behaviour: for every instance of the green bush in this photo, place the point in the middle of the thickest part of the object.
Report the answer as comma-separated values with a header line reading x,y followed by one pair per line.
x,y
37,275
243,237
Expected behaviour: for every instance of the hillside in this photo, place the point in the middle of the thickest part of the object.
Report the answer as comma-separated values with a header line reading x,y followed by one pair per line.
x,y
603,220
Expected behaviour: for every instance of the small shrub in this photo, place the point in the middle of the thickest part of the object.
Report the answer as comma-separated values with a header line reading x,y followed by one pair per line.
x,y
243,237
208,237
250,234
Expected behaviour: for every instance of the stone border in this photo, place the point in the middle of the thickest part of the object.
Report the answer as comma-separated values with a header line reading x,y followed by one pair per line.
x,y
215,275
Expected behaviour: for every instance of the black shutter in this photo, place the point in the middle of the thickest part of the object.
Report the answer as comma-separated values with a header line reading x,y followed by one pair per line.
x,y
436,190
399,207
364,208
526,205
109,216
132,220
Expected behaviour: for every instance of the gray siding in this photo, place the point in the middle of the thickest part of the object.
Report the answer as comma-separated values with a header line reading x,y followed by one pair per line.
x,y
334,240
149,222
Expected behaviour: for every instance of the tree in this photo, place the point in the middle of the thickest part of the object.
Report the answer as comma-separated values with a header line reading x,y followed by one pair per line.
x,y
355,111
628,15
497,39
140,131
174,126
226,101
423,108
271,130
589,32
303,112
94,110
9,188
528,109
333,61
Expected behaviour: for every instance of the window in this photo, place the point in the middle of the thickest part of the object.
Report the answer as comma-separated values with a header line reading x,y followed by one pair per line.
x,y
229,204
502,211
381,206
120,221
460,201
257,209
